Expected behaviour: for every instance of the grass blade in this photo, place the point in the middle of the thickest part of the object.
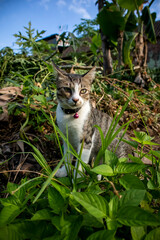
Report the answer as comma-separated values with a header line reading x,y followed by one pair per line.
x,y
47,182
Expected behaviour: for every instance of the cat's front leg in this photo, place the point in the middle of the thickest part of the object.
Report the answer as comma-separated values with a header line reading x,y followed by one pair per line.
x,y
63,171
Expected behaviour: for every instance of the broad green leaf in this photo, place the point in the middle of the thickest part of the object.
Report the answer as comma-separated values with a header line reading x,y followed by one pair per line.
x,y
112,224
135,216
97,206
129,181
131,21
104,170
55,199
131,143
27,185
10,200
20,194
70,227
135,159
150,143
132,197
123,159
96,43
27,230
113,207
8,214
138,233
56,222
129,168
116,21
9,233
153,235
149,19
151,185
43,214
64,191
111,158
142,136
102,235
130,4
128,40
89,220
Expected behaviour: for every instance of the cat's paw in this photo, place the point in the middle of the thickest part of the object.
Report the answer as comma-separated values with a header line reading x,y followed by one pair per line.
x,y
99,177
62,172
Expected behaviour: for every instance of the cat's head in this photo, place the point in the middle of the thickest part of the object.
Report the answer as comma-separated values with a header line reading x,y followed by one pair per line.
x,y
73,90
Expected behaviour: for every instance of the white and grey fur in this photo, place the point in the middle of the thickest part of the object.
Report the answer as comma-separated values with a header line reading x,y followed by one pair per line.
x,y
73,92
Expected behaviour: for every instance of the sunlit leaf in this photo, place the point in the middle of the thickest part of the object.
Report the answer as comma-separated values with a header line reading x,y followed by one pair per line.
x,y
129,167
129,181
132,197
153,235
138,233
104,170
111,158
8,214
43,214
101,235
135,216
95,205
130,4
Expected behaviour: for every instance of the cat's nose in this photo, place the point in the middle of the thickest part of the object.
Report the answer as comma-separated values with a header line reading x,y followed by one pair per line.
x,y
75,100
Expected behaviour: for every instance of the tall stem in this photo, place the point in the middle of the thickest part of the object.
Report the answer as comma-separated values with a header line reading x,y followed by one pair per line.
x,y
107,59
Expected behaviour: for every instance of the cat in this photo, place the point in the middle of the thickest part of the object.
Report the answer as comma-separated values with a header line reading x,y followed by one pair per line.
x,y
75,112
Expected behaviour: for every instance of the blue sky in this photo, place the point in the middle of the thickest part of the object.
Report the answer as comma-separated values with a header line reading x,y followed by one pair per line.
x,y
46,15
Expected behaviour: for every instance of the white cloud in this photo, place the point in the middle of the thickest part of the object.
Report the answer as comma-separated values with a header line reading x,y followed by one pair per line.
x,y
61,3
44,3
87,3
80,10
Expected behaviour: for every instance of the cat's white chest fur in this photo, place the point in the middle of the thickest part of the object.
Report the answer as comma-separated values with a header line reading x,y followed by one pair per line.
x,y
73,125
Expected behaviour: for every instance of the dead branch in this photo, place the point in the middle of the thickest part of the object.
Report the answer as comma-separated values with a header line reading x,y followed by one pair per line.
x,y
80,67
114,188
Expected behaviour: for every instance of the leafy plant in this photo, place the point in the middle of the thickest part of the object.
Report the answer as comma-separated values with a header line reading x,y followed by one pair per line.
x,y
57,211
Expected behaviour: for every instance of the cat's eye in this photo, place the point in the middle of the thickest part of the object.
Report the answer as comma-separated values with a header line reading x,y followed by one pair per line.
x,y
83,91
68,90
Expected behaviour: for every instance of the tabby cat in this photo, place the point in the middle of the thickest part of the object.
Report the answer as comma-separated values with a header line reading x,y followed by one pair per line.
x,y
75,111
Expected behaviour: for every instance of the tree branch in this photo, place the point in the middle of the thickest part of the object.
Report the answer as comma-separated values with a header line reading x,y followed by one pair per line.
x,y
80,67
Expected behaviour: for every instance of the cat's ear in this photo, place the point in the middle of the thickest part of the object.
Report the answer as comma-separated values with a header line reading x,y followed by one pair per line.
x,y
90,75
60,72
